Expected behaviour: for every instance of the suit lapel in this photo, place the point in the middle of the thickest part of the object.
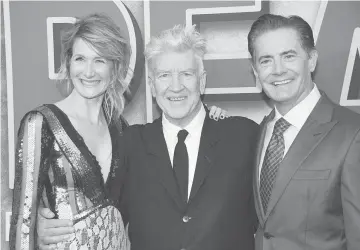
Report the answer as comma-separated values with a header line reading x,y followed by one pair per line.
x,y
311,134
160,160
256,186
208,140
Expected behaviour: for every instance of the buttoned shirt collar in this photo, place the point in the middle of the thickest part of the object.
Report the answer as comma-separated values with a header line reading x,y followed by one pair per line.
x,y
298,115
195,126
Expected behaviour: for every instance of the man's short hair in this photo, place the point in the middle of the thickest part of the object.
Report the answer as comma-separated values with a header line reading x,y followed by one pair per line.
x,y
269,22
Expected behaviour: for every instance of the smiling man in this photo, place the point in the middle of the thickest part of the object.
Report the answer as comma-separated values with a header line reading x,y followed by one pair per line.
x,y
306,182
177,80
189,179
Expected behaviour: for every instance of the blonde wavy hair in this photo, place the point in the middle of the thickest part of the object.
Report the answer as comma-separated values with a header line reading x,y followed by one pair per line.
x,y
100,31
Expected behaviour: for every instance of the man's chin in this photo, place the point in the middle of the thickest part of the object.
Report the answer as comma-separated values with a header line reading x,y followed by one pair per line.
x,y
279,96
174,116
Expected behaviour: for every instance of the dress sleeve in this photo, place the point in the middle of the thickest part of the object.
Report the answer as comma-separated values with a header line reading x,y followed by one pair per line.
x,y
27,186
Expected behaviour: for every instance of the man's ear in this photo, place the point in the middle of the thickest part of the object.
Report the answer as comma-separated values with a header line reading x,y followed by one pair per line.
x,y
151,84
254,70
202,82
313,56
151,78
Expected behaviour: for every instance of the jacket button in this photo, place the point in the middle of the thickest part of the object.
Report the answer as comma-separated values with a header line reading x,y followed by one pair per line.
x,y
186,218
268,235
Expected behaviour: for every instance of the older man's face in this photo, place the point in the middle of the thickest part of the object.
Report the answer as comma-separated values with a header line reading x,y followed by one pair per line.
x,y
177,85
283,67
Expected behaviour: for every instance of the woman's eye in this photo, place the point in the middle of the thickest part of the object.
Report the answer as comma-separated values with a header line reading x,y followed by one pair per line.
x,y
79,59
100,61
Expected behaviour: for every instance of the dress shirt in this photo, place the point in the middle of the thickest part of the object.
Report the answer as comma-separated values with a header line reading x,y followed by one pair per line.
x,y
297,116
192,141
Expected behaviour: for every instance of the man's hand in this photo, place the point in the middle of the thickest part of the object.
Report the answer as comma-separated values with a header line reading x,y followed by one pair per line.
x,y
52,231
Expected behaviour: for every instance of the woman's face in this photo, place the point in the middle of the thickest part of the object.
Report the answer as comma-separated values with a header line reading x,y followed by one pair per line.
x,y
90,73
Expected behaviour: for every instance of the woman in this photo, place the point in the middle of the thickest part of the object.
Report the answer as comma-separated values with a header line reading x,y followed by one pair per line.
x,y
67,152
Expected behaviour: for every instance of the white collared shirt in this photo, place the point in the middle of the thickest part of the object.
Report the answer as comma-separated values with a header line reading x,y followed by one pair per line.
x,y
192,140
297,117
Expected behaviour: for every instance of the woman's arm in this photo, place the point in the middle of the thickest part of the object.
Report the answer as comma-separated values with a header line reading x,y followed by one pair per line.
x,y
27,187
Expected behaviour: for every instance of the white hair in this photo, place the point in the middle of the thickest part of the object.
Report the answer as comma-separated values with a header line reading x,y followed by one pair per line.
x,y
177,39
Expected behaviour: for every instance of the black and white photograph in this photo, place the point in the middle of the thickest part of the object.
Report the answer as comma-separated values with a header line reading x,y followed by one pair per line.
x,y
180,125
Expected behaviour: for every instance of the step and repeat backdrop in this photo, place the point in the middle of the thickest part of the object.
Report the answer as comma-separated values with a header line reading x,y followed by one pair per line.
x,y
31,32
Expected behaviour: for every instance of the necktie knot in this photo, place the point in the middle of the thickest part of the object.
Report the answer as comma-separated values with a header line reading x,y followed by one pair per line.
x,y
281,126
182,135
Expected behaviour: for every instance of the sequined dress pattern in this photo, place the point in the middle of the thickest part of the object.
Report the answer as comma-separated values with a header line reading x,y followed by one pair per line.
x,y
55,169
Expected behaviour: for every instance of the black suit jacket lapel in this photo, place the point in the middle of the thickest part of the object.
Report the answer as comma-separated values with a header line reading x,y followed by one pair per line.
x,y
160,160
209,138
